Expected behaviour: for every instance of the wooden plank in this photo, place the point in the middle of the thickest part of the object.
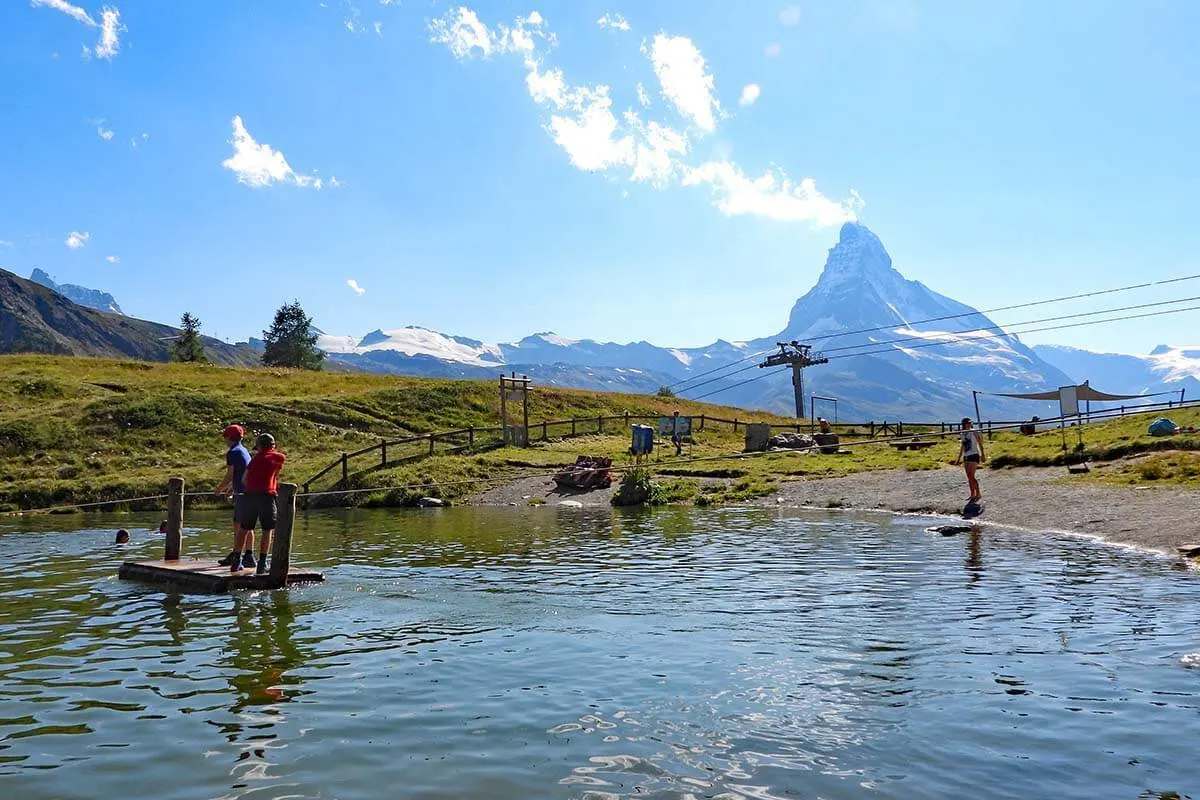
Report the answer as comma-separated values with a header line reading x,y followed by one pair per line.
x,y
208,576
174,543
281,544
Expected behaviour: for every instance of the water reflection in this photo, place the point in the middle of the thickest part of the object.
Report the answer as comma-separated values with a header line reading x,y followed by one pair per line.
x,y
548,652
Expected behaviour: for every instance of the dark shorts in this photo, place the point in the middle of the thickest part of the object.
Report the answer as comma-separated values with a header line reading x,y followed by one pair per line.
x,y
254,509
971,460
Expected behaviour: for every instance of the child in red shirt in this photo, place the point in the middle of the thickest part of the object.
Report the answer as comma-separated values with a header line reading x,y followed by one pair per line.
x,y
260,490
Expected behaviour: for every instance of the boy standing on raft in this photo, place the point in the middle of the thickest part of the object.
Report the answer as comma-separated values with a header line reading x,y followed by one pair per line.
x,y
259,506
237,458
971,455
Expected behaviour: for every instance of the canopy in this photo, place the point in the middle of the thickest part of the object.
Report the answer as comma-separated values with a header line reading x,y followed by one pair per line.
x,y
1082,392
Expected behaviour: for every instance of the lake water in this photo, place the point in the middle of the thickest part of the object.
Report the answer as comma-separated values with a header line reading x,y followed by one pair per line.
x,y
553,653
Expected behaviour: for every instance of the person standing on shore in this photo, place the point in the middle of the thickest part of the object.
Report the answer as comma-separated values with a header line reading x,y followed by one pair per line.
x,y
259,506
237,459
971,455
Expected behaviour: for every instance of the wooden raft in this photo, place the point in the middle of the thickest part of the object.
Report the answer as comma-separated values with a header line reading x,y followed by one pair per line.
x,y
207,575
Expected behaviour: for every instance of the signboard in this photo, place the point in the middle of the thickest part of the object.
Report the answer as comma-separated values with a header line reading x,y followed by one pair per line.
x,y
1068,401
669,426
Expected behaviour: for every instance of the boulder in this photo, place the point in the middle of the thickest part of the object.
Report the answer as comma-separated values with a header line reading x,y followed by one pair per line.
x,y
791,441
430,502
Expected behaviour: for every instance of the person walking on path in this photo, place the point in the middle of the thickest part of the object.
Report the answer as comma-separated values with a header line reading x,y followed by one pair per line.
x,y
259,506
971,455
232,486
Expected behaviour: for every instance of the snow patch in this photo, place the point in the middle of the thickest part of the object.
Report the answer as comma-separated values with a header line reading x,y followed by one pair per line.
x,y
416,342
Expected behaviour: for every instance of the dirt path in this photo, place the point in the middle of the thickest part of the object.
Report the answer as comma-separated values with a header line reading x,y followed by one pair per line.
x,y
1159,518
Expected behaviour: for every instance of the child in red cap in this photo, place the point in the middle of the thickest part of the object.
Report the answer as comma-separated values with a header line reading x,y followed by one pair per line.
x,y
237,459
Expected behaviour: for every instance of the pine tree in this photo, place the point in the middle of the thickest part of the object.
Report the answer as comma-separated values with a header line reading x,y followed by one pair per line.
x,y
188,347
290,341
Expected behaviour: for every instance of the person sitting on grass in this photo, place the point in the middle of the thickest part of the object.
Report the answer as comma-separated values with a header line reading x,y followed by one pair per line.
x,y
259,506
237,459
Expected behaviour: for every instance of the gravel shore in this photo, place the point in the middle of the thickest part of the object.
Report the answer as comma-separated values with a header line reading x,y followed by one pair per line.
x,y
1152,517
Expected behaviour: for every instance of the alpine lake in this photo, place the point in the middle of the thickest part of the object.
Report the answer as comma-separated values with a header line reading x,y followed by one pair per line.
x,y
580,653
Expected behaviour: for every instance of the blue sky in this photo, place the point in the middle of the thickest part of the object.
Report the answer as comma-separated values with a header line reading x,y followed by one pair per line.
x,y
1003,152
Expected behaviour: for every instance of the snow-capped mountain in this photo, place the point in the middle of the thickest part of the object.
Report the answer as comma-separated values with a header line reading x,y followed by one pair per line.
x,y
886,360
1165,369
88,298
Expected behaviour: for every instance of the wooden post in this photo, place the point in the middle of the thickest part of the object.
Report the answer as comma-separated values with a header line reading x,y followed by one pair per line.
x,y
626,419
735,424
174,520
281,547
544,436
431,440
383,452
989,430
872,424
503,413
899,428
701,422
572,426
471,436
345,469
600,424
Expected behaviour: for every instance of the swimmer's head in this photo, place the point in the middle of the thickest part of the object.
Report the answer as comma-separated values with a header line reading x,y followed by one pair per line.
x,y
122,536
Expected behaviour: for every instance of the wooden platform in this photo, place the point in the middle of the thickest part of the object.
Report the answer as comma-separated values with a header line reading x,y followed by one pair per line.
x,y
208,576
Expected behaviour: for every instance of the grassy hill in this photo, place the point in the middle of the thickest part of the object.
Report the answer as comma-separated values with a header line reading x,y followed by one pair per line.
x,y
81,429
77,430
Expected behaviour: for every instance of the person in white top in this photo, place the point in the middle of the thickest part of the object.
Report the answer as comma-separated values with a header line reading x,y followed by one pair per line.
x,y
971,455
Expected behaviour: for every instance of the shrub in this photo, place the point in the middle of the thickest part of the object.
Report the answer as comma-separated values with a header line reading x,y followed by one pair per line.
x,y
638,488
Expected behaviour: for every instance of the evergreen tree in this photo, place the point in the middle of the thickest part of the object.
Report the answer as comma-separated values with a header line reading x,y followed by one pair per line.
x,y
290,341
665,392
188,347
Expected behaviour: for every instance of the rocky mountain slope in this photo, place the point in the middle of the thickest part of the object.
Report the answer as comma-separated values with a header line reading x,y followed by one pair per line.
x,y
1166,369
35,319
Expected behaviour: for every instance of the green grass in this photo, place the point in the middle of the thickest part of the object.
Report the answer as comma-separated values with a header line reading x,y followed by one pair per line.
x,y
76,430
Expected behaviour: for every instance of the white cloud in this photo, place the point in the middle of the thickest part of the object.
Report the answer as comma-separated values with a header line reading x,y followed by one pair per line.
x,y
790,16
773,50
685,79
104,134
112,259
614,21
597,137
354,287
5,243
73,11
109,25
110,28
258,165
76,239
750,93
379,29
642,95
773,196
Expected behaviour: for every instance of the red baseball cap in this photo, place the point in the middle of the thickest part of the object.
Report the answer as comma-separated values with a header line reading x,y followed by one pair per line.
x,y
234,432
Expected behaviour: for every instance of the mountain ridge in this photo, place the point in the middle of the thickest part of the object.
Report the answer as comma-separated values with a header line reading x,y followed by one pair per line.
x,y
88,298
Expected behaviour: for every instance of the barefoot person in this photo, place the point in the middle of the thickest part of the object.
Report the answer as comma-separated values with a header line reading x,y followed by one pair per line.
x,y
259,506
232,486
971,455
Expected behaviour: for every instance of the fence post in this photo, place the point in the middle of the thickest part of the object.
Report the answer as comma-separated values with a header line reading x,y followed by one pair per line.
x,y
989,430
383,457
600,424
1122,411
735,423
544,436
345,469
872,424
899,428
304,502
572,426
174,520
626,419
431,440
281,546
471,436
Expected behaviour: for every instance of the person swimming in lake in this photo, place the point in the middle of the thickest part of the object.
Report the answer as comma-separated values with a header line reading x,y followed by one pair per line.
x,y
971,455
122,537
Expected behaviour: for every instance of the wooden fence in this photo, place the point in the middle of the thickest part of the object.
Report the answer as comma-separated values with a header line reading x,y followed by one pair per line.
x,y
399,451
